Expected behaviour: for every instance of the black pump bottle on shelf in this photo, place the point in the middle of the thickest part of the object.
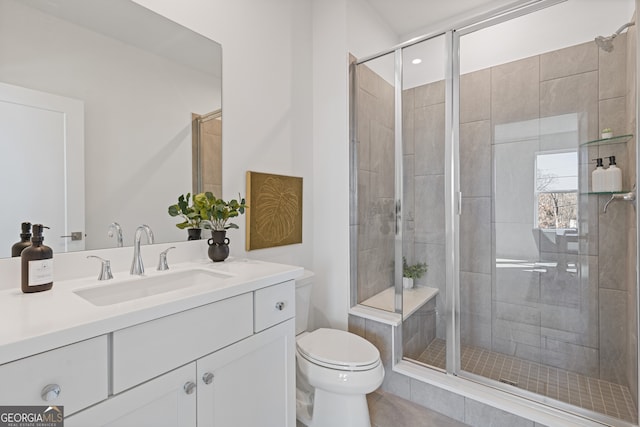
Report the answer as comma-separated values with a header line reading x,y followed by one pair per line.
x,y
25,240
37,264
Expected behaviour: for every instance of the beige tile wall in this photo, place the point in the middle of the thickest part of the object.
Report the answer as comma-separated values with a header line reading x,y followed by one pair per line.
x,y
376,209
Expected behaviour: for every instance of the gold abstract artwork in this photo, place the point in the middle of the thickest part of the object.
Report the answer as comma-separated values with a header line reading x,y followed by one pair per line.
x,y
274,216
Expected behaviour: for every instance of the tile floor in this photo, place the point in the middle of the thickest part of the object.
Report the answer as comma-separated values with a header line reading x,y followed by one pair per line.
x,y
589,393
387,410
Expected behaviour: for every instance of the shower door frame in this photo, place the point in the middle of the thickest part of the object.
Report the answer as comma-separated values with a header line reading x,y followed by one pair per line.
x,y
453,195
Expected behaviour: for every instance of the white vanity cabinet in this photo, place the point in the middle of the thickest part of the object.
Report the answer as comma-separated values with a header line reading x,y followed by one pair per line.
x,y
230,363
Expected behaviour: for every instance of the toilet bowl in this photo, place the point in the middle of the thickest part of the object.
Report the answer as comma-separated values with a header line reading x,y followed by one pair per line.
x,y
335,370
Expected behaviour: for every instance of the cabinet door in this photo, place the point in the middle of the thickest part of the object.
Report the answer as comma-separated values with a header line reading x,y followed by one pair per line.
x,y
251,383
162,402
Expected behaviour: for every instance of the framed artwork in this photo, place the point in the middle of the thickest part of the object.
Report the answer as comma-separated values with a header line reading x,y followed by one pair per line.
x,y
274,216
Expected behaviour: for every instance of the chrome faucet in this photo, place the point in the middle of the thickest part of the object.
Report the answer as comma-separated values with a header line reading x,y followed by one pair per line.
x,y
105,269
137,267
114,226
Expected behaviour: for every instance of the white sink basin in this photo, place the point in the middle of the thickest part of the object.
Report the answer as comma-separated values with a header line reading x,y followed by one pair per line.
x,y
145,286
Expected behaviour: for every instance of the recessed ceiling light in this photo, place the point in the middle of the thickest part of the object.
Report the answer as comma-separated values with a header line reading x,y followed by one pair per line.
x,y
416,61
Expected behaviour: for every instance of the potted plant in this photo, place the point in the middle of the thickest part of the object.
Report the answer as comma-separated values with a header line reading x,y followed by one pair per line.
x,y
218,213
607,133
411,272
191,215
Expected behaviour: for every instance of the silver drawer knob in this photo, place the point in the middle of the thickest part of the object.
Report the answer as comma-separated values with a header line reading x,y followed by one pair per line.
x,y
207,378
189,387
280,305
50,392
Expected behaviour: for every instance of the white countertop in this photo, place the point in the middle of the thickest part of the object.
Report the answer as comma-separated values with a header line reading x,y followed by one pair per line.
x,y
33,323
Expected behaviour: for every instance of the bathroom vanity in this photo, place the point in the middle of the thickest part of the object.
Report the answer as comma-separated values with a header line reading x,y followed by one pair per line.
x,y
201,344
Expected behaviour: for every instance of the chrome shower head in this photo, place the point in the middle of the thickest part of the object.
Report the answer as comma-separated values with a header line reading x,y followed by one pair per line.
x,y
606,43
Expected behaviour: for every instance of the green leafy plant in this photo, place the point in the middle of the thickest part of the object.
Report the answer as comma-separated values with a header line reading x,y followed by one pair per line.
x,y
190,213
217,212
607,130
414,271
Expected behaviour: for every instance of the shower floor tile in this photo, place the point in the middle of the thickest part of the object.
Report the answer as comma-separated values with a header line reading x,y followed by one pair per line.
x,y
590,393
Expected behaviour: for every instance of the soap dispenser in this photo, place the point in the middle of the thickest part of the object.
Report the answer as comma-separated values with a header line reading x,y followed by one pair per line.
x,y
613,176
37,264
598,178
25,240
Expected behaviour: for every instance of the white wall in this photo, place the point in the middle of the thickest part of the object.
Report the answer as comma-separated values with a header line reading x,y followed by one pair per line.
x,y
339,27
331,164
367,32
266,72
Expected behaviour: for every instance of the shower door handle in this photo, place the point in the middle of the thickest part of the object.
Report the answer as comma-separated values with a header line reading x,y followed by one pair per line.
x,y
398,217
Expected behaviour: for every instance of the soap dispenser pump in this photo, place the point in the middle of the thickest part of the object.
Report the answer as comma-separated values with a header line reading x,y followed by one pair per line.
x,y
598,177
25,240
613,176
37,264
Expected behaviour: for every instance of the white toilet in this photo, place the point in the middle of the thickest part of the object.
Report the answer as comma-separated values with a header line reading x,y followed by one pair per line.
x,y
335,370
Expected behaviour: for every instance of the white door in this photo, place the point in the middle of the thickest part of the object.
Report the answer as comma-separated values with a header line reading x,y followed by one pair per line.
x,y
43,177
251,383
162,402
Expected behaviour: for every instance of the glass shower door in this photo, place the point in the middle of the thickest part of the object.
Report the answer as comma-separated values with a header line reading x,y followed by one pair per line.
x,y
374,225
546,275
423,204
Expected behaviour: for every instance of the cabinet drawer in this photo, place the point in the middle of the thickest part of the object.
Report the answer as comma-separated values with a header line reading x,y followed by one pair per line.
x,y
274,304
79,370
145,351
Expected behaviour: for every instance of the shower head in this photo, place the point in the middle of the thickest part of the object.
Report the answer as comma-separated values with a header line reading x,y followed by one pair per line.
x,y
606,43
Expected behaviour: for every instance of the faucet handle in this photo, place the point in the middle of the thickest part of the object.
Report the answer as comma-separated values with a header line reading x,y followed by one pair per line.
x,y
162,262
105,271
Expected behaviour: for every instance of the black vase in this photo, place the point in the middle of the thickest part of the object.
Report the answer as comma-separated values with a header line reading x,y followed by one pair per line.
x,y
218,246
194,233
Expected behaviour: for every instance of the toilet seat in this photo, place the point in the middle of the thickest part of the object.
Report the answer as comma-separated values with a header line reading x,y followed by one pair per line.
x,y
338,350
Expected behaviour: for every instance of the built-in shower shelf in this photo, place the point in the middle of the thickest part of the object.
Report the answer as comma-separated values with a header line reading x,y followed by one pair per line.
x,y
412,299
606,193
604,141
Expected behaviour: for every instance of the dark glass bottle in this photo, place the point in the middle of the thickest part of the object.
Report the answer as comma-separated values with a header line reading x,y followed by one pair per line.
x,y
25,240
37,264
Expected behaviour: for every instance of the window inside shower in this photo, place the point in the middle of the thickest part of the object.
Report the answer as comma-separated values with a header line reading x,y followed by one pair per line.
x,y
531,286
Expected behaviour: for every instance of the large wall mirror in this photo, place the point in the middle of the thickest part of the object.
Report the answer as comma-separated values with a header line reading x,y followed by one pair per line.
x,y
100,103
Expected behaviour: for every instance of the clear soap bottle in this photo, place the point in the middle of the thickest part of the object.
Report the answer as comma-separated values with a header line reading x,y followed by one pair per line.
x,y
613,175
598,177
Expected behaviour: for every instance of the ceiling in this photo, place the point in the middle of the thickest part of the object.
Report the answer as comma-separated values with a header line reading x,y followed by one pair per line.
x,y
406,17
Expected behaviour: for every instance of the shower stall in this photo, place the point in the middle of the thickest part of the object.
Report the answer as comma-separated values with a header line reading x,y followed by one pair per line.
x,y
472,152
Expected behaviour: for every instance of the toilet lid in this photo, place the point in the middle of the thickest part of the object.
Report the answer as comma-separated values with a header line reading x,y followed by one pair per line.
x,y
338,350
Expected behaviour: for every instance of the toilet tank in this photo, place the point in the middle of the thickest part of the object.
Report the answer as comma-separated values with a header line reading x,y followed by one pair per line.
x,y
303,300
